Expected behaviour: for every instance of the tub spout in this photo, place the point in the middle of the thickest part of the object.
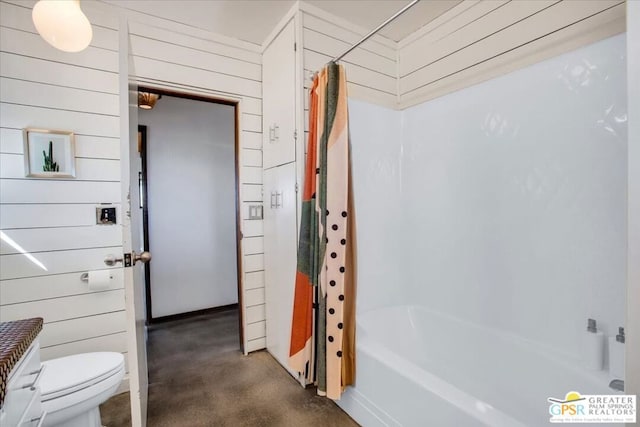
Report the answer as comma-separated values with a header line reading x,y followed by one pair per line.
x,y
617,385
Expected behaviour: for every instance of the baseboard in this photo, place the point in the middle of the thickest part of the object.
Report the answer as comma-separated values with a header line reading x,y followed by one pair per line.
x,y
188,314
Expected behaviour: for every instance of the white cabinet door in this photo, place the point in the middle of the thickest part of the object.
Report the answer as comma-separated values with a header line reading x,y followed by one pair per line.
x,y
279,99
280,258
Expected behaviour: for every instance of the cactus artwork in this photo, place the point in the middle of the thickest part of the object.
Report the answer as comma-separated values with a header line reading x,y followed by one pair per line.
x,y
49,165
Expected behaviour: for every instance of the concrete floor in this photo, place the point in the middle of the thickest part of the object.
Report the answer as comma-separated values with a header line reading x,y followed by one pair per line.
x,y
198,377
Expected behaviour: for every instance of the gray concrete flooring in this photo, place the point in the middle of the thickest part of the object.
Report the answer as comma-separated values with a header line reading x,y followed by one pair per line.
x,y
198,377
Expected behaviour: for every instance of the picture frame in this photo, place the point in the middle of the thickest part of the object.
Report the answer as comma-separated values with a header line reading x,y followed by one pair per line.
x,y
49,153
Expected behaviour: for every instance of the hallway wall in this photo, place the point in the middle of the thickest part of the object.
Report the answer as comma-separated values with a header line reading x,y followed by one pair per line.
x,y
191,192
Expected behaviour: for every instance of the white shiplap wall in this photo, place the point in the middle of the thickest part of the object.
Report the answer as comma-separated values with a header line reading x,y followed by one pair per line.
x,y
371,68
479,40
55,219
173,56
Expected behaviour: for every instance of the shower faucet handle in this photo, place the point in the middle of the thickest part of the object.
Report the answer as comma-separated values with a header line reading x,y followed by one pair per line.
x,y
617,385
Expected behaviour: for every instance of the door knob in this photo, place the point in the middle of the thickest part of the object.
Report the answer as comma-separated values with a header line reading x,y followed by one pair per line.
x,y
143,257
127,259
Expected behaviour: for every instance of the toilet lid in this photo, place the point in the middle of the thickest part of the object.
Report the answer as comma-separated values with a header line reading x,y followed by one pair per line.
x,y
68,374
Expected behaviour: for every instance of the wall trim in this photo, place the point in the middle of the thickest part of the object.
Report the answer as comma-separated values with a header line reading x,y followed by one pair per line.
x,y
326,16
291,14
179,316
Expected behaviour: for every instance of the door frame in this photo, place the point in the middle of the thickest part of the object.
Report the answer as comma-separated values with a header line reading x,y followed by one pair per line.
x,y
142,187
239,270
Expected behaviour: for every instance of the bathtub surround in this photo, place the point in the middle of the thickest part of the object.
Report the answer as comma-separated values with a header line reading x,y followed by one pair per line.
x,y
323,327
593,347
506,231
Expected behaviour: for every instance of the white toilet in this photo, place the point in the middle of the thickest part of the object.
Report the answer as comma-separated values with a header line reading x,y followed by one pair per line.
x,y
73,387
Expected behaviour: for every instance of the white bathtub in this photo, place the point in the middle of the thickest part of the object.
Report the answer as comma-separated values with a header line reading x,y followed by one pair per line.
x,y
416,367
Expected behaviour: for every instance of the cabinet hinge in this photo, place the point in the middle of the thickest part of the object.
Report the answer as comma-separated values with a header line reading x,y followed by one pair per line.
x,y
296,187
295,46
295,135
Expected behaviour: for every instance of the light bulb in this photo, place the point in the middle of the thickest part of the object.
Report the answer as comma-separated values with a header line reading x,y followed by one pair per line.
x,y
62,24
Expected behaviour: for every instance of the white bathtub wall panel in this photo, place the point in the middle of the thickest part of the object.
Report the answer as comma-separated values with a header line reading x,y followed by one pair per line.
x,y
475,42
444,383
377,155
632,368
42,87
515,189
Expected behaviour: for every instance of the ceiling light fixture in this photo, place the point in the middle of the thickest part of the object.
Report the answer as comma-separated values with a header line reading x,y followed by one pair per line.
x,y
62,24
147,100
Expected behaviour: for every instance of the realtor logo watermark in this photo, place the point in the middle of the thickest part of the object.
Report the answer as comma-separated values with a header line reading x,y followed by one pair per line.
x,y
595,408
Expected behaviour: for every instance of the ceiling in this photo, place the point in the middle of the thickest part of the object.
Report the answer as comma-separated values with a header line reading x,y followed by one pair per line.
x,y
253,20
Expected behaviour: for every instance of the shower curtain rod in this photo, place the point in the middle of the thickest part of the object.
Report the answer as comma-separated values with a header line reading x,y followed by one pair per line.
x,y
375,30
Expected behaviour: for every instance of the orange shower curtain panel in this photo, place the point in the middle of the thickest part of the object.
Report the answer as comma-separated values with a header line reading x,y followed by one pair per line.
x,y
323,325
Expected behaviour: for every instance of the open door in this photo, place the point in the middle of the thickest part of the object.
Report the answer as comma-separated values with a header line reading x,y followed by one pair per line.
x,y
132,233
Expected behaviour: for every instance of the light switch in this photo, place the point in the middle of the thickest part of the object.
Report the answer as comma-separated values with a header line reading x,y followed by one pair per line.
x,y
106,215
255,211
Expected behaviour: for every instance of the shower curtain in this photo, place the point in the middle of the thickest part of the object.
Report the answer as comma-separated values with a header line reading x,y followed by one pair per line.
x,y
323,325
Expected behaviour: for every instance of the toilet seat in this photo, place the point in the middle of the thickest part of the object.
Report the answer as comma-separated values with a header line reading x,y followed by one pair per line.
x,y
71,374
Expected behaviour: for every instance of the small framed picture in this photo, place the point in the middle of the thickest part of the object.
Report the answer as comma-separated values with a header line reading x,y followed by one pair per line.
x,y
49,153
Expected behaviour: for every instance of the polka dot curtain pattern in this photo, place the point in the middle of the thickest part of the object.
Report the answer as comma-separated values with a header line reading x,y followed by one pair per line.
x,y
323,326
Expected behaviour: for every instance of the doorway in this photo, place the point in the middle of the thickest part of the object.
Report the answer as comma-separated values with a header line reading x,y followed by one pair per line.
x,y
188,182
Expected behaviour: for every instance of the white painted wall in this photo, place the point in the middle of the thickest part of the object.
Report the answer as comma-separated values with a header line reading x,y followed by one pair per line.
x,y
511,200
191,190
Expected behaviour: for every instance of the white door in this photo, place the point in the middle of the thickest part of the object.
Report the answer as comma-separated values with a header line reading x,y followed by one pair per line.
x,y
279,99
132,234
280,247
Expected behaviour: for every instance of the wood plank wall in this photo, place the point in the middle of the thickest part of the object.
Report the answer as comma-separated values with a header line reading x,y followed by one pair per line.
x,y
371,68
171,55
479,40
54,220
